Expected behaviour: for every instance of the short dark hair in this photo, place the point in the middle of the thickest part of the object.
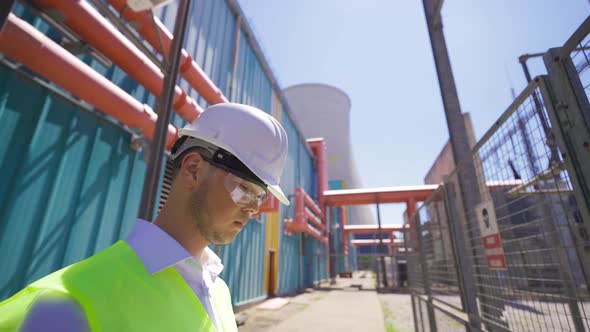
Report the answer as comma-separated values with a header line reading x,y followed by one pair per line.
x,y
177,160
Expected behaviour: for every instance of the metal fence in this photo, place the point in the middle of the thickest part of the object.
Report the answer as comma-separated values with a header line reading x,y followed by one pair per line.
x,y
519,260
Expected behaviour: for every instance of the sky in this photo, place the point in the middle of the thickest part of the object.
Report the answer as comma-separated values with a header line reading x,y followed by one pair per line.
x,y
378,52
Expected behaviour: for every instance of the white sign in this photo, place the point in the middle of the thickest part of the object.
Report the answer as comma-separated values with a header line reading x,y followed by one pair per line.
x,y
486,217
490,235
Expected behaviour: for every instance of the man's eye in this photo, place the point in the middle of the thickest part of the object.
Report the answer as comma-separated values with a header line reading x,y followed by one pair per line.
x,y
244,188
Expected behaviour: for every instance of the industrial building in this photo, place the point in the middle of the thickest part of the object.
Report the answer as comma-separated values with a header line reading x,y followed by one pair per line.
x,y
495,239
73,167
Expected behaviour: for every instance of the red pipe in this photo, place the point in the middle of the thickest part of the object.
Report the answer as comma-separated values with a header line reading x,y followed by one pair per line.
x,y
373,229
95,29
270,205
318,147
302,215
27,45
385,195
299,208
314,220
299,228
143,22
311,204
411,210
343,222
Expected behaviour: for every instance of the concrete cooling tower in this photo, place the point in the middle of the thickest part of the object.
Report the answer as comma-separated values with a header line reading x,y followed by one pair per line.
x,y
324,111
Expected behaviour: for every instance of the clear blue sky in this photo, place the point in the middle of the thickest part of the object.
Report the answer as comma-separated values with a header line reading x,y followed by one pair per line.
x,y
378,52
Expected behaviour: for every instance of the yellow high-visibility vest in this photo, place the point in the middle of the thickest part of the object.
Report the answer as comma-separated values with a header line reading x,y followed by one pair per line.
x,y
118,294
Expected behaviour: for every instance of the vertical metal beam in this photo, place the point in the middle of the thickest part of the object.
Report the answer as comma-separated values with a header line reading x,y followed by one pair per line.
x,y
467,175
234,61
381,246
164,110
425,276
329,214
455,122
464,267
539,110
566,104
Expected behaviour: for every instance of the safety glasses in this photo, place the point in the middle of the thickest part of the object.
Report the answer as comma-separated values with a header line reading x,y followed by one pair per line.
x,y
244,193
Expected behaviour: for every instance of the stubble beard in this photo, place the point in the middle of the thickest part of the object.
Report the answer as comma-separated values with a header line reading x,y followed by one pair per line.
x,y
201,218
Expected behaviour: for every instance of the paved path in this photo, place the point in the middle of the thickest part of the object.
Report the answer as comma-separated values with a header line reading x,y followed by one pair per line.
x,y
397,310
349,305
340,310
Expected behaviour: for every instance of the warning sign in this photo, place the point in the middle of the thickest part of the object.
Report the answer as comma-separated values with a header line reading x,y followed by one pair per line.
x,y
490,235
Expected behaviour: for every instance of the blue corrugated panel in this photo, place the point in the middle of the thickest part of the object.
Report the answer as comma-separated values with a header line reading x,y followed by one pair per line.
x,y
66,182
209,40
71,185
290,261
244,262
252,87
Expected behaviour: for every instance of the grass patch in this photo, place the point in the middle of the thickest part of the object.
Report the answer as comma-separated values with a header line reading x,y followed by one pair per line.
x,y
302,307
390,328
388,316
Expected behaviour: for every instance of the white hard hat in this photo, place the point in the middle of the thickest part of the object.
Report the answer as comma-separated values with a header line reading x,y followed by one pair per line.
x,y
254,137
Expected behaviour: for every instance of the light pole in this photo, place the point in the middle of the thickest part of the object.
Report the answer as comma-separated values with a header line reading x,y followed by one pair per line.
x,y
164,105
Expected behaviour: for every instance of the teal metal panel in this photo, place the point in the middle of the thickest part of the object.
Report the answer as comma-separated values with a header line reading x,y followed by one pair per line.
x,y
290,265
66,179
71,185
209,40
290,261
244,263
252,87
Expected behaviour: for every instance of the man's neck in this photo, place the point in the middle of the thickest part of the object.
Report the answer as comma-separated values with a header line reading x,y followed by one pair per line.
x,y
181,229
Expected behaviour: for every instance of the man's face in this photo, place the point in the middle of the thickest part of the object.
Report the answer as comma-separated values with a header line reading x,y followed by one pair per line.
x,y
214,213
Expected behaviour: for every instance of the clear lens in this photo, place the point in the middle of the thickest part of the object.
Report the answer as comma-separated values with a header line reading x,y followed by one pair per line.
x,y
244,193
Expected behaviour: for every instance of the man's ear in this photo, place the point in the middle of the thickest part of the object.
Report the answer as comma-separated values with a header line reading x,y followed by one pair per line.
x,y
190,170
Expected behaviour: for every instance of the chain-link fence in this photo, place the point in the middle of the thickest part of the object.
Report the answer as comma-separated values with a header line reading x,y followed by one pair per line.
x,y
518,261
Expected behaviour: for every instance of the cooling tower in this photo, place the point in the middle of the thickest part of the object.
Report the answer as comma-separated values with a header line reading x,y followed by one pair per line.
x,y
324,111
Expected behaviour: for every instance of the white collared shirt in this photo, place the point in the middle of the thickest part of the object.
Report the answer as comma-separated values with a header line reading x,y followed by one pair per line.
x,y
158,251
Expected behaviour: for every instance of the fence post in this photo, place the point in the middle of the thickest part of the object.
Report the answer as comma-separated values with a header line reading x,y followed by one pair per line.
x,y
569,112
425,277
464,265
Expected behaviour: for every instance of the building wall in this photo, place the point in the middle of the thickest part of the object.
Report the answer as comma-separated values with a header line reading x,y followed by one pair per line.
x,y
72,184
444,164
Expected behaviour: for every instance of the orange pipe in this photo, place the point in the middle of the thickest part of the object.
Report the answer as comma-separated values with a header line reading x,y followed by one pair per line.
x,y
270,205
311,204
95,29
27,45
372,229
318,147
143,22
302,215
344,222
385,195
294,227
314,220
411,210
299,207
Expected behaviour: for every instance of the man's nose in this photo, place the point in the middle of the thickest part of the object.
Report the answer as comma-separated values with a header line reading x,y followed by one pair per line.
x,y
251,208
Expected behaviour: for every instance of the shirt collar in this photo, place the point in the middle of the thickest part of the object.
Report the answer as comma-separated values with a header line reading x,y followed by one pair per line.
x,y
157,250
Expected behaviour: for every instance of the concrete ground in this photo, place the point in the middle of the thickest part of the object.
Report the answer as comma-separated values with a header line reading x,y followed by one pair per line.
x,y
352,304
397,311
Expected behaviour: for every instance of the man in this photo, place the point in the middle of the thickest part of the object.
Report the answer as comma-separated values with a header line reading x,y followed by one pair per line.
x,y
163,277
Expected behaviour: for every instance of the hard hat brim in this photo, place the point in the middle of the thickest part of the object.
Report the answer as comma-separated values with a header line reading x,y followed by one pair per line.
x,y
278,193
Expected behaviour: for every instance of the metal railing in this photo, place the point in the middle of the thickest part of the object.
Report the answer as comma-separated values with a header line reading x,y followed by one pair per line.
x,y
519,260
